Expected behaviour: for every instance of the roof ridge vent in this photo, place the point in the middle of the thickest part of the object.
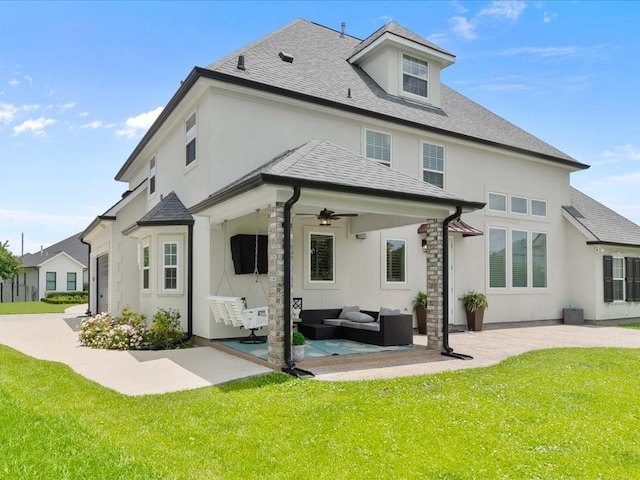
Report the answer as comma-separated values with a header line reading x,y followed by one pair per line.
x,y
286,57
241,63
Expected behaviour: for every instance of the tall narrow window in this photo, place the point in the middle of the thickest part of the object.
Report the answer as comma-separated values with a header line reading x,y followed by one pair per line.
x,y
539,259
519,258
378,146
170,266
433,164
497,258
145,267
191,131
321,257
415,75
71,281
51,281
618,279
396,261
152,176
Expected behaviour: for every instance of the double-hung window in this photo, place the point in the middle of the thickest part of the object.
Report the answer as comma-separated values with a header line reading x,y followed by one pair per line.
x,y
322,257
433,164
71,281
152,176
191,131
145,267
621,279
396,261
378,146
415,76
51,281
170,266
518,263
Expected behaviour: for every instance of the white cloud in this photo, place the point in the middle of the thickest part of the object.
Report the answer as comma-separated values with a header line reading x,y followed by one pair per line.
x,y
549,17
29,79
623,152
7,112
36,127
542,51
624,179
97,124
507,10
83,114
136,126
31,108
464,28
67,106
386,18
14,82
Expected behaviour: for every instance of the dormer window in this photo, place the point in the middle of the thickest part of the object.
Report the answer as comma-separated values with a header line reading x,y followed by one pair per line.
x,y
415,76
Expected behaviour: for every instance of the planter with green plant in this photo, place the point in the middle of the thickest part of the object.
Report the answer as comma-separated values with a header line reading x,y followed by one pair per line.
x,y
420,307
298,342
475,304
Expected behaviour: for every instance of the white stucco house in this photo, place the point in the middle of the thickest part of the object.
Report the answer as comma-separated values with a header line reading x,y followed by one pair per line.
x,y
61,267
306,121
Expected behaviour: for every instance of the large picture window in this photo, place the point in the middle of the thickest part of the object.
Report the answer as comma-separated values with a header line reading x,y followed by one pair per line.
x,y
396,261
170,266
433,164
321,257
519,263
51,281
378,146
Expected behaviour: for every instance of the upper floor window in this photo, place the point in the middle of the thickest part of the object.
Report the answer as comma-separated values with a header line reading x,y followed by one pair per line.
x,y
518,205
378,146
152,176
433,164
71,281
396,261
539,208
321,257
497,202
415,75
191,131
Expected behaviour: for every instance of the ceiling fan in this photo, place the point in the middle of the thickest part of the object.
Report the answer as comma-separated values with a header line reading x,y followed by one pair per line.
x,y
326,216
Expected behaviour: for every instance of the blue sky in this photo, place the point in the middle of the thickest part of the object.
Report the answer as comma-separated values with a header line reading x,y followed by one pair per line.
x,y
80,82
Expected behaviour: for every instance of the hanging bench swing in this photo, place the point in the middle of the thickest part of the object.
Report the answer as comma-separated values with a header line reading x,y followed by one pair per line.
x,y
232,310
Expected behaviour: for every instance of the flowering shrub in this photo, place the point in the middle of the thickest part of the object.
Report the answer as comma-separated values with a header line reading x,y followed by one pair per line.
x,y
165,329
117,333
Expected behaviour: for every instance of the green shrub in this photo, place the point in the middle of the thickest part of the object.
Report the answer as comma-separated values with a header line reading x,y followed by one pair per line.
x,y
165,330
66,297
298,338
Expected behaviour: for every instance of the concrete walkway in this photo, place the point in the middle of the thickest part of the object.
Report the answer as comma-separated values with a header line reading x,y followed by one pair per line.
x,y
54,337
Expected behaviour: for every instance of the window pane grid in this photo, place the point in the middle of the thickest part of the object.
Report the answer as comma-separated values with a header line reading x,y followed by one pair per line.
x,y
415,76
170,263
378,146
618,278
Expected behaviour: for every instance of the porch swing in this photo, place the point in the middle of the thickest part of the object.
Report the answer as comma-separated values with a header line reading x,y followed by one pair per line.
x,y
232,310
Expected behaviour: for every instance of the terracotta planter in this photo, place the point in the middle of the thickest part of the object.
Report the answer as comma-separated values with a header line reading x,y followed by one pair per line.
x,y
421,317
474,320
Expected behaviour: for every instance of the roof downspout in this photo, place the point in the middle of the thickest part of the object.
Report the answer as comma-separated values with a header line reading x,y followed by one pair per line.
x,y
448,351
88,312
290,366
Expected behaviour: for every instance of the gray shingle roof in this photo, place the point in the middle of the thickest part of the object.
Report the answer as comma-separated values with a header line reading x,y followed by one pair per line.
x,y
606,225
169,211
72,246
322,164
320,69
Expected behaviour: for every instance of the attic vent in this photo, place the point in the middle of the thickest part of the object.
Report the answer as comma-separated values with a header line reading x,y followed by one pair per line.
x,y
573,211
286,57
241,63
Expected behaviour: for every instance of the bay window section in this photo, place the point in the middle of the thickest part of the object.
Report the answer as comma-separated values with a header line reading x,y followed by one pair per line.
x,y
170,266
322,257
145,267
497,258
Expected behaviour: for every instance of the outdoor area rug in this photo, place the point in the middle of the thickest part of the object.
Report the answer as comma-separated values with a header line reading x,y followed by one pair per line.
x,y
317,348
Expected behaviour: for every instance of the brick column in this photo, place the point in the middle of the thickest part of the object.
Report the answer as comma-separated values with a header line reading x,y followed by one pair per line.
x,y
435,282
275,338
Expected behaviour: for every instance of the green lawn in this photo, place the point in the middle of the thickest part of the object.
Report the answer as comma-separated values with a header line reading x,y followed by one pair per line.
x,y
31,307
631,325
555,414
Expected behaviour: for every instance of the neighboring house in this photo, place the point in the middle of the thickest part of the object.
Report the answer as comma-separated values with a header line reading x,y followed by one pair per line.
x,y
62,267
307,119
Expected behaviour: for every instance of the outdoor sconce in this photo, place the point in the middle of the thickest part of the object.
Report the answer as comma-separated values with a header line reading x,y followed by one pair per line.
x,y
424,245
325,221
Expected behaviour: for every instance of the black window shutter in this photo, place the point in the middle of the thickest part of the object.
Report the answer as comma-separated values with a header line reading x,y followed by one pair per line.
x,y
636,279
628,278
608,277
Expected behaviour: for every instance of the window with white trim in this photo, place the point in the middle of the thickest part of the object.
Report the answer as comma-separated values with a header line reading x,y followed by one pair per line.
x,y
519,205
433,164
152,176
378,146
415,76
71,281
322,257
497,202
618,279
191,131
396,260
522,260
539,259
539,208
519,257
146,263
170,266
497,258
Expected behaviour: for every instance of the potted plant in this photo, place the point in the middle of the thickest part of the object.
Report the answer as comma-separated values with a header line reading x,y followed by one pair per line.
x,y
475,304
420,307
298,341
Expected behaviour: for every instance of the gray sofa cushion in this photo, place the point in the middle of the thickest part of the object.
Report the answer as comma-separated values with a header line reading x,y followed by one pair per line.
x,y
389,311
346,310
359,317
373,326
333,321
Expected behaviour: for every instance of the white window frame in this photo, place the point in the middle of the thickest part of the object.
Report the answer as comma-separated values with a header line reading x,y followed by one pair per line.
x,y
546,207
386,281
191,134
506,259
178,241
143,267
153,184
365,143
497,194
518,197
333,258
422,147
619,279
512,232
546,260
406,93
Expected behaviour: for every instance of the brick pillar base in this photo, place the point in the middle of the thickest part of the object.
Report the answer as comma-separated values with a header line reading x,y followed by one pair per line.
x,y
275,338
435,282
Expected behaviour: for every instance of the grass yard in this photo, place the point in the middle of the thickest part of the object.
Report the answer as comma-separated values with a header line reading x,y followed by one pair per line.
x,y
554,414
18,308
631,325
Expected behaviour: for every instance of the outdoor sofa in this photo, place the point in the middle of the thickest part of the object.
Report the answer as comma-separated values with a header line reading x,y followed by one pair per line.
x,y
387,327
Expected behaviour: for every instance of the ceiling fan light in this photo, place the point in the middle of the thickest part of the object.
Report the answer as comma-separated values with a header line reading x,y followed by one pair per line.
x,y
325,221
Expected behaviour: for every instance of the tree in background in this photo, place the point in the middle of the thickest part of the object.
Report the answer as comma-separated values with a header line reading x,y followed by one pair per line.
x,y
10,264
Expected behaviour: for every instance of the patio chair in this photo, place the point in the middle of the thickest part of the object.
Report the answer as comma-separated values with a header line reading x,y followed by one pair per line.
x,y
231,311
